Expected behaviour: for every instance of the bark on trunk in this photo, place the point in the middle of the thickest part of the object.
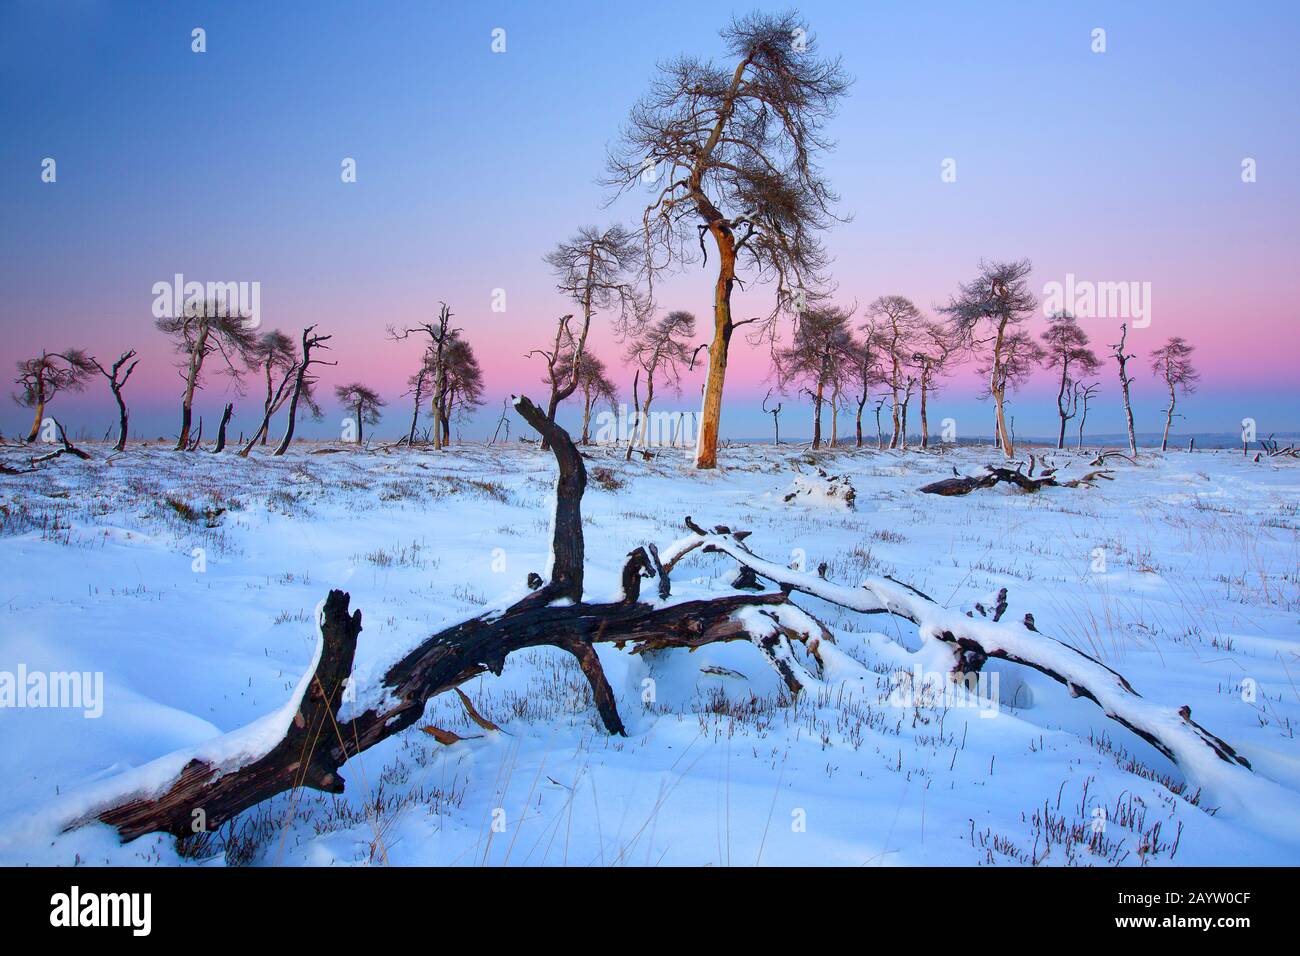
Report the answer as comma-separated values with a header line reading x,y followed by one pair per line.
x,y
36,422
706,446
817,417
998,390
221,429
123,420
925,423
1169,418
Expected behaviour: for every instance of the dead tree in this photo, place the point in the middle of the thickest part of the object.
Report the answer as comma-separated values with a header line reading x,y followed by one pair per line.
x,y
862,371
439,333
964,485
277,355
776,420
221,429
895,322
303,383
200,331
731,152
1084,394
417,387
41,378
983,316
67,447
1121,359
364,402
316,742
1019,353
934,353
659,349
1066,348
816,357
274,351
1173,363
117,384
592,269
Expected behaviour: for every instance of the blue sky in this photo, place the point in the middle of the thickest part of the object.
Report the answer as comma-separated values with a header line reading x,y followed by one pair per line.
x,y
471,165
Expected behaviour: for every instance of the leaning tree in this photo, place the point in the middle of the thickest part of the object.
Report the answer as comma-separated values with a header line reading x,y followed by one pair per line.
x,y
200,331
304,385
39,379
276,354
983,315
731,150
1173,363
308,741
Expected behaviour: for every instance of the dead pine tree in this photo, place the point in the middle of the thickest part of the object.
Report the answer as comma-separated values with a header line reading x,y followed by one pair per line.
x,y
1121,359
934,353
816,358
275,352
279,353
659,349
41,378
439,333
559,360
1019,354
983,315
594,270
730,152
221,428
304,384
1084,394
363,402
596,386
862,372
776,419
116,385
1066,347
1173,363
895,322
418,389
462,385
200,331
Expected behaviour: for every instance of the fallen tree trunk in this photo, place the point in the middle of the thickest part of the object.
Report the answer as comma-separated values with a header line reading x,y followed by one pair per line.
x,y
1170,730
317,742
314,740
67,449
965,484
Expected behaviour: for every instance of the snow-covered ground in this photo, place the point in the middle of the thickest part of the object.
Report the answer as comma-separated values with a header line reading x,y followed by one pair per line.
x,y
190,583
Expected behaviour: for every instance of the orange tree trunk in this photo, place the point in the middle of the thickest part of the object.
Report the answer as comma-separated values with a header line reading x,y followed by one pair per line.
x,y
706,447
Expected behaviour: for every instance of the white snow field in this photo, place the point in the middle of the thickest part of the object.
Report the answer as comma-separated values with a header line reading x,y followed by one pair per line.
x,y
191,582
